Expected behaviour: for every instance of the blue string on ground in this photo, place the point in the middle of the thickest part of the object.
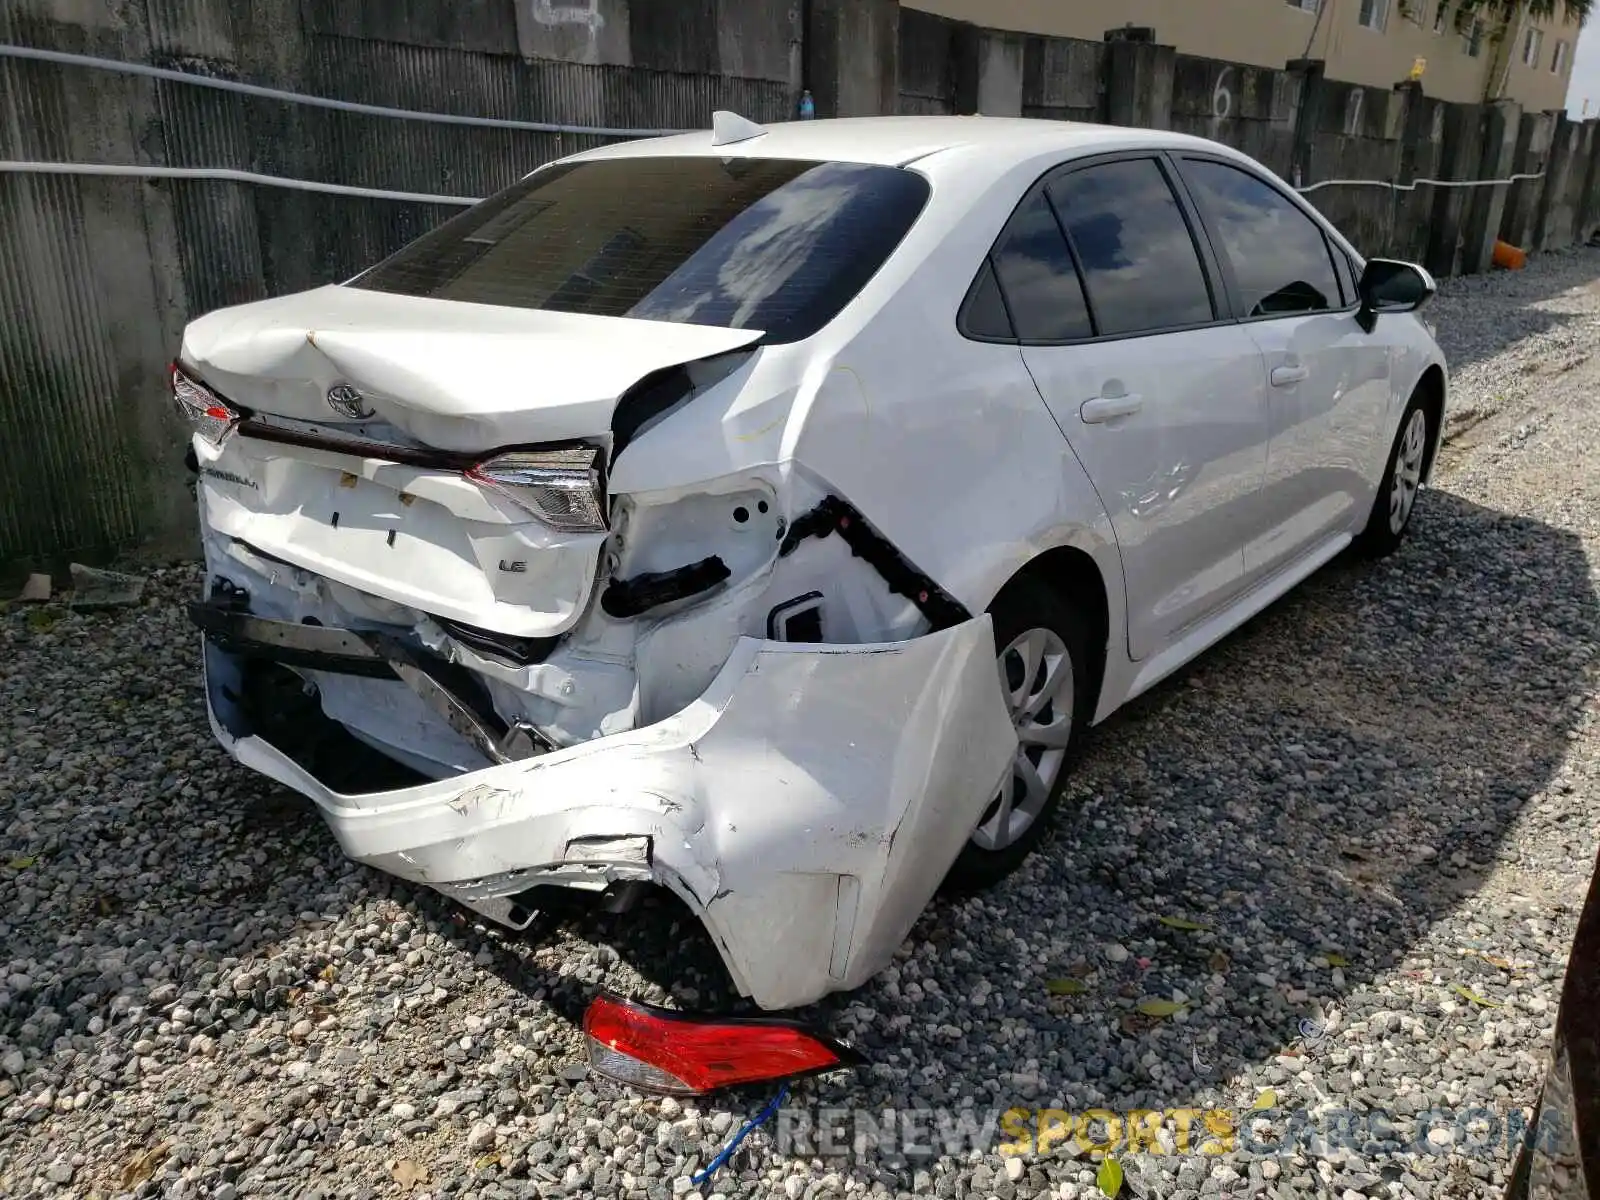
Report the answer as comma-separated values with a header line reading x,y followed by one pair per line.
x,y
750,1126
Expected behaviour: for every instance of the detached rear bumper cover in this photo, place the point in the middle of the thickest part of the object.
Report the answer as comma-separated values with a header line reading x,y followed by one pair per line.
x,y
806,806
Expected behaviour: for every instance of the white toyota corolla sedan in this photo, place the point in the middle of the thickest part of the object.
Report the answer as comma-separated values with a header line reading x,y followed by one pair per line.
x,y
763,513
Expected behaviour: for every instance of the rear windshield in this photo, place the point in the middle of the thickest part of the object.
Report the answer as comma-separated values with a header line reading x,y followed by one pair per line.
x,y
771,244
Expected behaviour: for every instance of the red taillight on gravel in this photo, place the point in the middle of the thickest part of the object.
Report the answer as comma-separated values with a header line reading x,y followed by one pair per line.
x,y
658,1050
212,417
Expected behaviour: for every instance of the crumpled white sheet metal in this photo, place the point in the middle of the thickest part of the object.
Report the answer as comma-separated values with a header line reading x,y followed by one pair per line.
x,y
806,806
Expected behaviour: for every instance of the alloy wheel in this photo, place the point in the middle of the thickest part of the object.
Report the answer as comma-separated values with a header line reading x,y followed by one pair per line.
x,y
1408,470
1036,678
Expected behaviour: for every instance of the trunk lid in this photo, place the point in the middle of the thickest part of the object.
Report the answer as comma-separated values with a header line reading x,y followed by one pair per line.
x,y
451,375
355,504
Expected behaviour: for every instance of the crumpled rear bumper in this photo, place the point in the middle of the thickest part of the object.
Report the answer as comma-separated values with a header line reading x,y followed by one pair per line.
x,y
806,806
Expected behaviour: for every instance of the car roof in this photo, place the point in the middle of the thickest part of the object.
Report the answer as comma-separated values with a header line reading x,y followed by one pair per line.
x,y
897,141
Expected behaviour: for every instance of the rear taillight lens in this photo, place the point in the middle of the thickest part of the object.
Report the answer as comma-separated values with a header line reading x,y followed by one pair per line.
x,y
658,1050
212,417
560,487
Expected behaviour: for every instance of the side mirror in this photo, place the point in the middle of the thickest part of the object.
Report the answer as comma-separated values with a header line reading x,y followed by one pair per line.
x,y
1390,286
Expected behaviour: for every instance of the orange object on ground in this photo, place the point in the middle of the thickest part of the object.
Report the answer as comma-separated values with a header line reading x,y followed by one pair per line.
x,y
1509,257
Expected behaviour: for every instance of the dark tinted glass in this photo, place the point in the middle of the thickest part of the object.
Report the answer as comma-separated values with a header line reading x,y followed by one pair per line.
x,y
1394,283
1279,257
1035,270
1139,261
768,244
984,315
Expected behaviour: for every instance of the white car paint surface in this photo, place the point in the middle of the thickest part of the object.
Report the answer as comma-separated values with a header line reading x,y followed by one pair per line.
x,y
632,630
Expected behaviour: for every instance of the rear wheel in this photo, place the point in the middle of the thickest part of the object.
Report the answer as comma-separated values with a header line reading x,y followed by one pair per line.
x,y
1402,482
1043,665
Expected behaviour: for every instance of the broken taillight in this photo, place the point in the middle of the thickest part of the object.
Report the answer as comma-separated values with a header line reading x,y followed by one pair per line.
x,y
560,487
213,417
659,1050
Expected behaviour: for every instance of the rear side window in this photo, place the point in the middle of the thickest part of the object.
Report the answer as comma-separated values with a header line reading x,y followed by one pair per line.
x,y
1038,278
984,314
777,245
1139,259
1279,258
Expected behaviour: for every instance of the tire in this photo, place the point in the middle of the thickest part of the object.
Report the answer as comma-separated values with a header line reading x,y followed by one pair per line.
x,y
1030,618
1396,501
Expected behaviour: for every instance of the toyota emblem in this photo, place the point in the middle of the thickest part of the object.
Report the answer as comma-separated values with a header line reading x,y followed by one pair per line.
x,y
348,402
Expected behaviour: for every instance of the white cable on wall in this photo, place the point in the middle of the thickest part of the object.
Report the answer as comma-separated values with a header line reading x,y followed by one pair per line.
x,y
1416,183
222,173
60,57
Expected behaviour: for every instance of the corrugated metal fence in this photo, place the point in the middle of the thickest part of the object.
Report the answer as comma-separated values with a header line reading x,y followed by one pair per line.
x,y
98,275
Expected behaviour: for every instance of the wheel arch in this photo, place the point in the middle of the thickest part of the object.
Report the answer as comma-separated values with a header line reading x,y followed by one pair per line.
x,y
1431,386
1073,574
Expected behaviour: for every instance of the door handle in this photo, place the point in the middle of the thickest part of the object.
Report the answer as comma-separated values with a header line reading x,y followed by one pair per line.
x,y
1109,408
1286,376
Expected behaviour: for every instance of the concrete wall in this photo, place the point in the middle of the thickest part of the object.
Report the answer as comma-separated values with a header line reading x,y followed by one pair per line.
x,y
1245,106
1348,131
1301,122
1270,33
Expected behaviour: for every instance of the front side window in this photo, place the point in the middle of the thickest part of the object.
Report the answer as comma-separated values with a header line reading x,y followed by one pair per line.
x,y
777,245
1139,260
1279,258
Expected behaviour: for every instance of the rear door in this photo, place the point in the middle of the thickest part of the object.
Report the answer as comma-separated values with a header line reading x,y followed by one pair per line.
x,y
1159,393
1328,379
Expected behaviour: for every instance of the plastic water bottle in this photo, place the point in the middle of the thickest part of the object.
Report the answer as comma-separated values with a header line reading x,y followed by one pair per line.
x,y
808,106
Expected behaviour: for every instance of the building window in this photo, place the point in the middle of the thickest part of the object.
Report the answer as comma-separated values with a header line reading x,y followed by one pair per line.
x,y
1472,38
1441,15
1309,6
1558,61
1532,44
1374,14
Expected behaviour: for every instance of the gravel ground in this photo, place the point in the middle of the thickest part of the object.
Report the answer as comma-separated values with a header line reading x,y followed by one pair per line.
x,y
1380,799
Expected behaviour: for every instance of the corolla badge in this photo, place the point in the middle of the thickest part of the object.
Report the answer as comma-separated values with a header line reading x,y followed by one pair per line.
x,y
348,402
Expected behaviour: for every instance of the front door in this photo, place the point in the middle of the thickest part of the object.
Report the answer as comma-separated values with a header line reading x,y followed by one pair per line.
x,y
1327,379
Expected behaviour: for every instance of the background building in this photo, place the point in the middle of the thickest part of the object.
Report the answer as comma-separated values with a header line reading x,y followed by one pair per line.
x,y
1372,42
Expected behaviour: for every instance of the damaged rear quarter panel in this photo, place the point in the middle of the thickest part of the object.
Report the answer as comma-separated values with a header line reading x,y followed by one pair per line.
x,y
870,763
